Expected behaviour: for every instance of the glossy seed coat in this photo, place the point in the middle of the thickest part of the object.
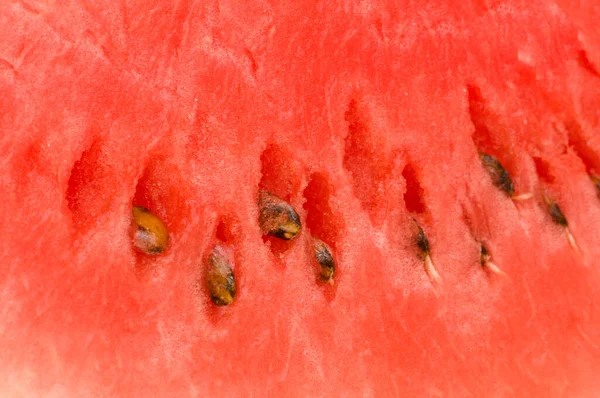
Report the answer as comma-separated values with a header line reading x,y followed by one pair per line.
x,y
425,253
324,257
555,212
220,279
277,217
150,235
500,176
557,215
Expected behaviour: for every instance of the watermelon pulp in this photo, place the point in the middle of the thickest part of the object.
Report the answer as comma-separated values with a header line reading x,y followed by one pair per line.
x,y
364,116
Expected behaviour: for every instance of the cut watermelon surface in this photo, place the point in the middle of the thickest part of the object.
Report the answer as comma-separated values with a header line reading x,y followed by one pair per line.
x,y
372,120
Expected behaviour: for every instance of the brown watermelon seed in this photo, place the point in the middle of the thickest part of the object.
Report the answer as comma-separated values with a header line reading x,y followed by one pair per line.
x,y
324,257
559,218
596,181
425,253
220,279
486,262
555,212
422,242
501,177
150,236
277,217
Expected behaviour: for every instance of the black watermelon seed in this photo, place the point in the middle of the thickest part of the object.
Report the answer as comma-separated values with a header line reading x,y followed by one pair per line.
x,y
499,175
277,217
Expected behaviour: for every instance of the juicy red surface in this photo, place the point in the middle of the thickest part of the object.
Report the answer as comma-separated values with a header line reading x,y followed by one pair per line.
x,y
187,108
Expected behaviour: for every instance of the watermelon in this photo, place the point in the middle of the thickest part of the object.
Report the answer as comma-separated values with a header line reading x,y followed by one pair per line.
x,y
442,160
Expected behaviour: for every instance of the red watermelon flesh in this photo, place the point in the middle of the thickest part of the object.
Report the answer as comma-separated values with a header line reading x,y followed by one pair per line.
x,y
363,115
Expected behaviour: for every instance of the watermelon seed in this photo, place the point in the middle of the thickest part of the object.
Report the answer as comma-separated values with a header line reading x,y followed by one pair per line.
x,y
423,242
220,278
501,177
150,236
559,218
324,257
486,262
277,217
596,182
425,253
557,215
555,212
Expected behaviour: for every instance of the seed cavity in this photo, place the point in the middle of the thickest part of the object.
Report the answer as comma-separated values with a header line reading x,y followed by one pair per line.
x,y
422,244
83,184
500,176
413,197
559,218
150,236
487,264
277,217
324,257
220,279
367,159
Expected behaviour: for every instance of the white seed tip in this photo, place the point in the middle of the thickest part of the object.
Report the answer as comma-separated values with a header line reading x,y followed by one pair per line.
x,y
431,271
493,268
523,196
546,199
330,281
573,242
